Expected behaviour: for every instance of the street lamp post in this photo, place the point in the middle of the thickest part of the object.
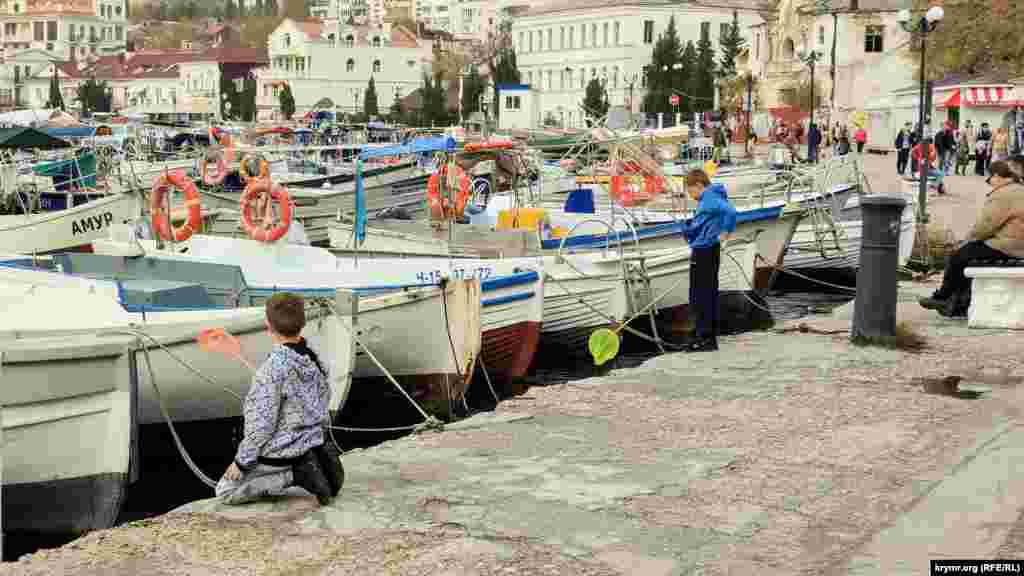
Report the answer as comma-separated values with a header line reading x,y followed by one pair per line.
x,y
632,80
810,57
921,27
750,106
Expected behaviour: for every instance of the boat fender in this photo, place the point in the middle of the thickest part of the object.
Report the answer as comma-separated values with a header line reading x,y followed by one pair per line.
x,y
159,217
261,191
217,177
442,205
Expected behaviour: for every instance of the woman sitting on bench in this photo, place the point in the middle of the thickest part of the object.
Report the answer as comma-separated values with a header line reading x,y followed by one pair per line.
x,y
998,234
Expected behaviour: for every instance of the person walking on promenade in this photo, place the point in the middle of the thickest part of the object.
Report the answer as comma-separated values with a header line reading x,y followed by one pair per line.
x,y
903,146
963,155
861,136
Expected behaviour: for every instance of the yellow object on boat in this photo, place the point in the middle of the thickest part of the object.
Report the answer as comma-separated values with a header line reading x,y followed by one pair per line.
x,y
522,219
558,232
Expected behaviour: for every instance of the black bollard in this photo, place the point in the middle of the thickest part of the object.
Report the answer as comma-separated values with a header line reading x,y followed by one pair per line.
x,y
874,313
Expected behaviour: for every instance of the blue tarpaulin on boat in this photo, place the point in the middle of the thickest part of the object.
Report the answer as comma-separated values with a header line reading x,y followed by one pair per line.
x,y
360,204
437,144
71,132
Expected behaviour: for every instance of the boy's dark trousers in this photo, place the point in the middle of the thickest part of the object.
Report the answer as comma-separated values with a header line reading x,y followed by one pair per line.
x,y
704,264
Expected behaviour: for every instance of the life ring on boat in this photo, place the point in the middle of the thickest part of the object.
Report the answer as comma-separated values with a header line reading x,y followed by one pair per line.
x,y
629,190
159,217
441,205
218,176
262,191
247,168
489,145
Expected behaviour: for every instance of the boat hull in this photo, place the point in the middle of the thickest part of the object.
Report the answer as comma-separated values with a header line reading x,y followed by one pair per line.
x,y
69,432
66,229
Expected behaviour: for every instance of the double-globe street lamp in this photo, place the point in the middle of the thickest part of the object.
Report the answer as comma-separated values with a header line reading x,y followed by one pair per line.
x,y
810,58
921,26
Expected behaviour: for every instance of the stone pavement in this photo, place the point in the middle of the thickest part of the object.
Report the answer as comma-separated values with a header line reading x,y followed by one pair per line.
x,y
786,452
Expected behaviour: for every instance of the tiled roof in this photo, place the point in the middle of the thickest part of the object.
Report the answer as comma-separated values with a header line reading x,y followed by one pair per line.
x,y
157,63
556,6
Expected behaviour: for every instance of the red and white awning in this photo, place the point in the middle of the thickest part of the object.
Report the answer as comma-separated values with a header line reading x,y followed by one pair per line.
x,y
998,97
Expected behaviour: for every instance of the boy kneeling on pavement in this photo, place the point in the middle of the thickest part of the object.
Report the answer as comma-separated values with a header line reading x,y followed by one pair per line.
x,y
285,414
715,219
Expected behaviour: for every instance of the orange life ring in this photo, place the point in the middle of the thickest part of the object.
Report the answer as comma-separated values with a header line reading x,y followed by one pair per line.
x,y
261,190
244,171
489,145
161,220
441,204
628,191
218,177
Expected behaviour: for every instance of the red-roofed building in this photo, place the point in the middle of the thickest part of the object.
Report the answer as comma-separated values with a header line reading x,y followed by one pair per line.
x,y
151,81
330,59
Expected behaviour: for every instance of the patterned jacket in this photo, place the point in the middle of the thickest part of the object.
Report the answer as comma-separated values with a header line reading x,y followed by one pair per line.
x,y
285,409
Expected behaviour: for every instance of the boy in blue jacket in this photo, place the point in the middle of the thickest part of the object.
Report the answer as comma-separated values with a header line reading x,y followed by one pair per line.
x,y
715,218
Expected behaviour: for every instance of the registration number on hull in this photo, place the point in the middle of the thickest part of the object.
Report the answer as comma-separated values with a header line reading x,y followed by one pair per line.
x,y
434,276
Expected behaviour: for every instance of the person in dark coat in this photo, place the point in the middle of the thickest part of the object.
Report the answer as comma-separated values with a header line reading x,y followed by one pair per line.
x,y
903,146
983,150
813,143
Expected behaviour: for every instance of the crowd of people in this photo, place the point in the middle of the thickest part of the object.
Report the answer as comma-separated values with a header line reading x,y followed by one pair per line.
x,y
836,140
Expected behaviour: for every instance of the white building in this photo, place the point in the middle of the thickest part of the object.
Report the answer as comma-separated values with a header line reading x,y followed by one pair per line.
x,y
562,45
36,32
365,12
331,59
872,54
518,107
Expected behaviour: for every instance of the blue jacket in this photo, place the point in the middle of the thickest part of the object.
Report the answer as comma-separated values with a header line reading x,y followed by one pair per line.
x,y
715,215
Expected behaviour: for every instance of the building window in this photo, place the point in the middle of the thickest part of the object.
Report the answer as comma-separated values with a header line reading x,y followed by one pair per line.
x,y
572,40
38,29
350,41
615,77
583,35
300,64
821,35
705,31
561,38
529,37
643,79
605,43
117,10
51,31
648,31
618,28
376,41
723,30
757,46
522,45
873,38
287,41
593,35
119,33
350,66
376,66
512,103
550,45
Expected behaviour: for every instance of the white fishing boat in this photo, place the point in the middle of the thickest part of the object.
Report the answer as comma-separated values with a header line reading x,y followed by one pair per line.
x,y
72,228
76,384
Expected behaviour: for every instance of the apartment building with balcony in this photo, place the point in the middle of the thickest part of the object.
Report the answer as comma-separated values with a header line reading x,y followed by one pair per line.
x,y
332,59
561,45
364,12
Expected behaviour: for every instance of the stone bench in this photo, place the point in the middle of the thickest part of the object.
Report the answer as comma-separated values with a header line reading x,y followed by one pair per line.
x,y
997,295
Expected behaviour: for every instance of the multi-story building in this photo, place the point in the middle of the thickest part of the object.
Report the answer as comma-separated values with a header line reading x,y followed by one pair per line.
x,y
560,46
872,56
34,33
335,60
364,12
399,10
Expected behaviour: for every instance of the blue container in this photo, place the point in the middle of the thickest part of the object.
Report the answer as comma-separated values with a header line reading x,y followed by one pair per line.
x,y
580,201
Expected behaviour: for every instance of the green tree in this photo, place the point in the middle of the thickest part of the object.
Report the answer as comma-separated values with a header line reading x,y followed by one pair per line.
x,y
472,87
667,74
974,37
94,96
56,100
595,101
229,11
500,57
731,44
247,100
287,101
799,95
258,9
704,77
395,114
434,101
370,100
270,8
